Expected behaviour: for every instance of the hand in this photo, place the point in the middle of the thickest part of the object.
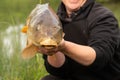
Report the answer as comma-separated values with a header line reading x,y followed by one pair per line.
x,y
49,52
52,51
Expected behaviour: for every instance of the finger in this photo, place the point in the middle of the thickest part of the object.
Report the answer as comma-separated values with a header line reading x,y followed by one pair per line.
x,y
42,50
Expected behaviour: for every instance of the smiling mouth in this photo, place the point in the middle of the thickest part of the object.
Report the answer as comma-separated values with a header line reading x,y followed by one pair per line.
x,y
73,1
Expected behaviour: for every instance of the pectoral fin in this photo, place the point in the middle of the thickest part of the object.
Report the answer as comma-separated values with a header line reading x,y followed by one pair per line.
x,y
63,34
29,51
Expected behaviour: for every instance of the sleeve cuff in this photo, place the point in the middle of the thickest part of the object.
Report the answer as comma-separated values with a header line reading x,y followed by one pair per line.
x,y
98,64
61,71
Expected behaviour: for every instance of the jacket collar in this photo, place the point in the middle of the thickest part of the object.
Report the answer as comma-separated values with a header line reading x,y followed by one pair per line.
x,y
83,11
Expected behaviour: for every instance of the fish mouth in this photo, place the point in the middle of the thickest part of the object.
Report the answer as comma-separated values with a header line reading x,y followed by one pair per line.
x,y
49,46
48,43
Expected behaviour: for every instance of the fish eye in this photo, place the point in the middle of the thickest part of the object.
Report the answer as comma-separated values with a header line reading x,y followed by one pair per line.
x,y
38,27
55,27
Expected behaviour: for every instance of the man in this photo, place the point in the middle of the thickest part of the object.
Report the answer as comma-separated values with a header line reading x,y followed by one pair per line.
x,y
87,51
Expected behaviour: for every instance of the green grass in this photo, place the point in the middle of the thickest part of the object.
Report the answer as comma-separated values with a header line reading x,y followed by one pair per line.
x,y
12,66
18,69
20,9
114,7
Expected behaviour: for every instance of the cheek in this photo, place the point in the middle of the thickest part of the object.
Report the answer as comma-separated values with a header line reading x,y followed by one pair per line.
x,y
64,1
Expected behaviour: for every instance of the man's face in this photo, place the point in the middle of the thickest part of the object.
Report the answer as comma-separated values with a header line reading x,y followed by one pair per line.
x,y
73,5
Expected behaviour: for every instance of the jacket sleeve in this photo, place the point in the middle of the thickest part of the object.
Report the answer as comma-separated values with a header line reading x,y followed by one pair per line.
x,y
60,72
103,38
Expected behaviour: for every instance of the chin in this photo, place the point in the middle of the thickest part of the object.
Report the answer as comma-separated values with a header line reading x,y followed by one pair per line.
x,y
73,7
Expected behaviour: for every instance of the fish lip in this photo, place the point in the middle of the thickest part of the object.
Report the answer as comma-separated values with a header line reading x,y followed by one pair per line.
x,y
48,43
49,46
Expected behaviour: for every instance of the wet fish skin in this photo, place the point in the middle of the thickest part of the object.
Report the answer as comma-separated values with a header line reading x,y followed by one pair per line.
x,y
44,30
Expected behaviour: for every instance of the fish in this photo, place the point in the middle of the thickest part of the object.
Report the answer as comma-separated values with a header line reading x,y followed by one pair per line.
x,y
43,29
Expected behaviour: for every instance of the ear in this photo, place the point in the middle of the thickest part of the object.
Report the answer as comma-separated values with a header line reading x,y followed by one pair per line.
x,y
29,51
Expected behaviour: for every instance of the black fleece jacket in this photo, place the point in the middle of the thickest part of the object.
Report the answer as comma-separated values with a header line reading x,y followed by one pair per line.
x,y
93,25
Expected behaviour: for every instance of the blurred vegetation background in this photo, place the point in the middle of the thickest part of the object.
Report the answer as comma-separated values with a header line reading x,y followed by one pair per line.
x,y
13,14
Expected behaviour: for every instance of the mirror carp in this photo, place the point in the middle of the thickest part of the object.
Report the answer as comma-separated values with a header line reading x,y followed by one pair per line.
x,y
43,29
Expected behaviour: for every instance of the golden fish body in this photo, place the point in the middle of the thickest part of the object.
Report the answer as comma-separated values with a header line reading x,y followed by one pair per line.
x,y
44,30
